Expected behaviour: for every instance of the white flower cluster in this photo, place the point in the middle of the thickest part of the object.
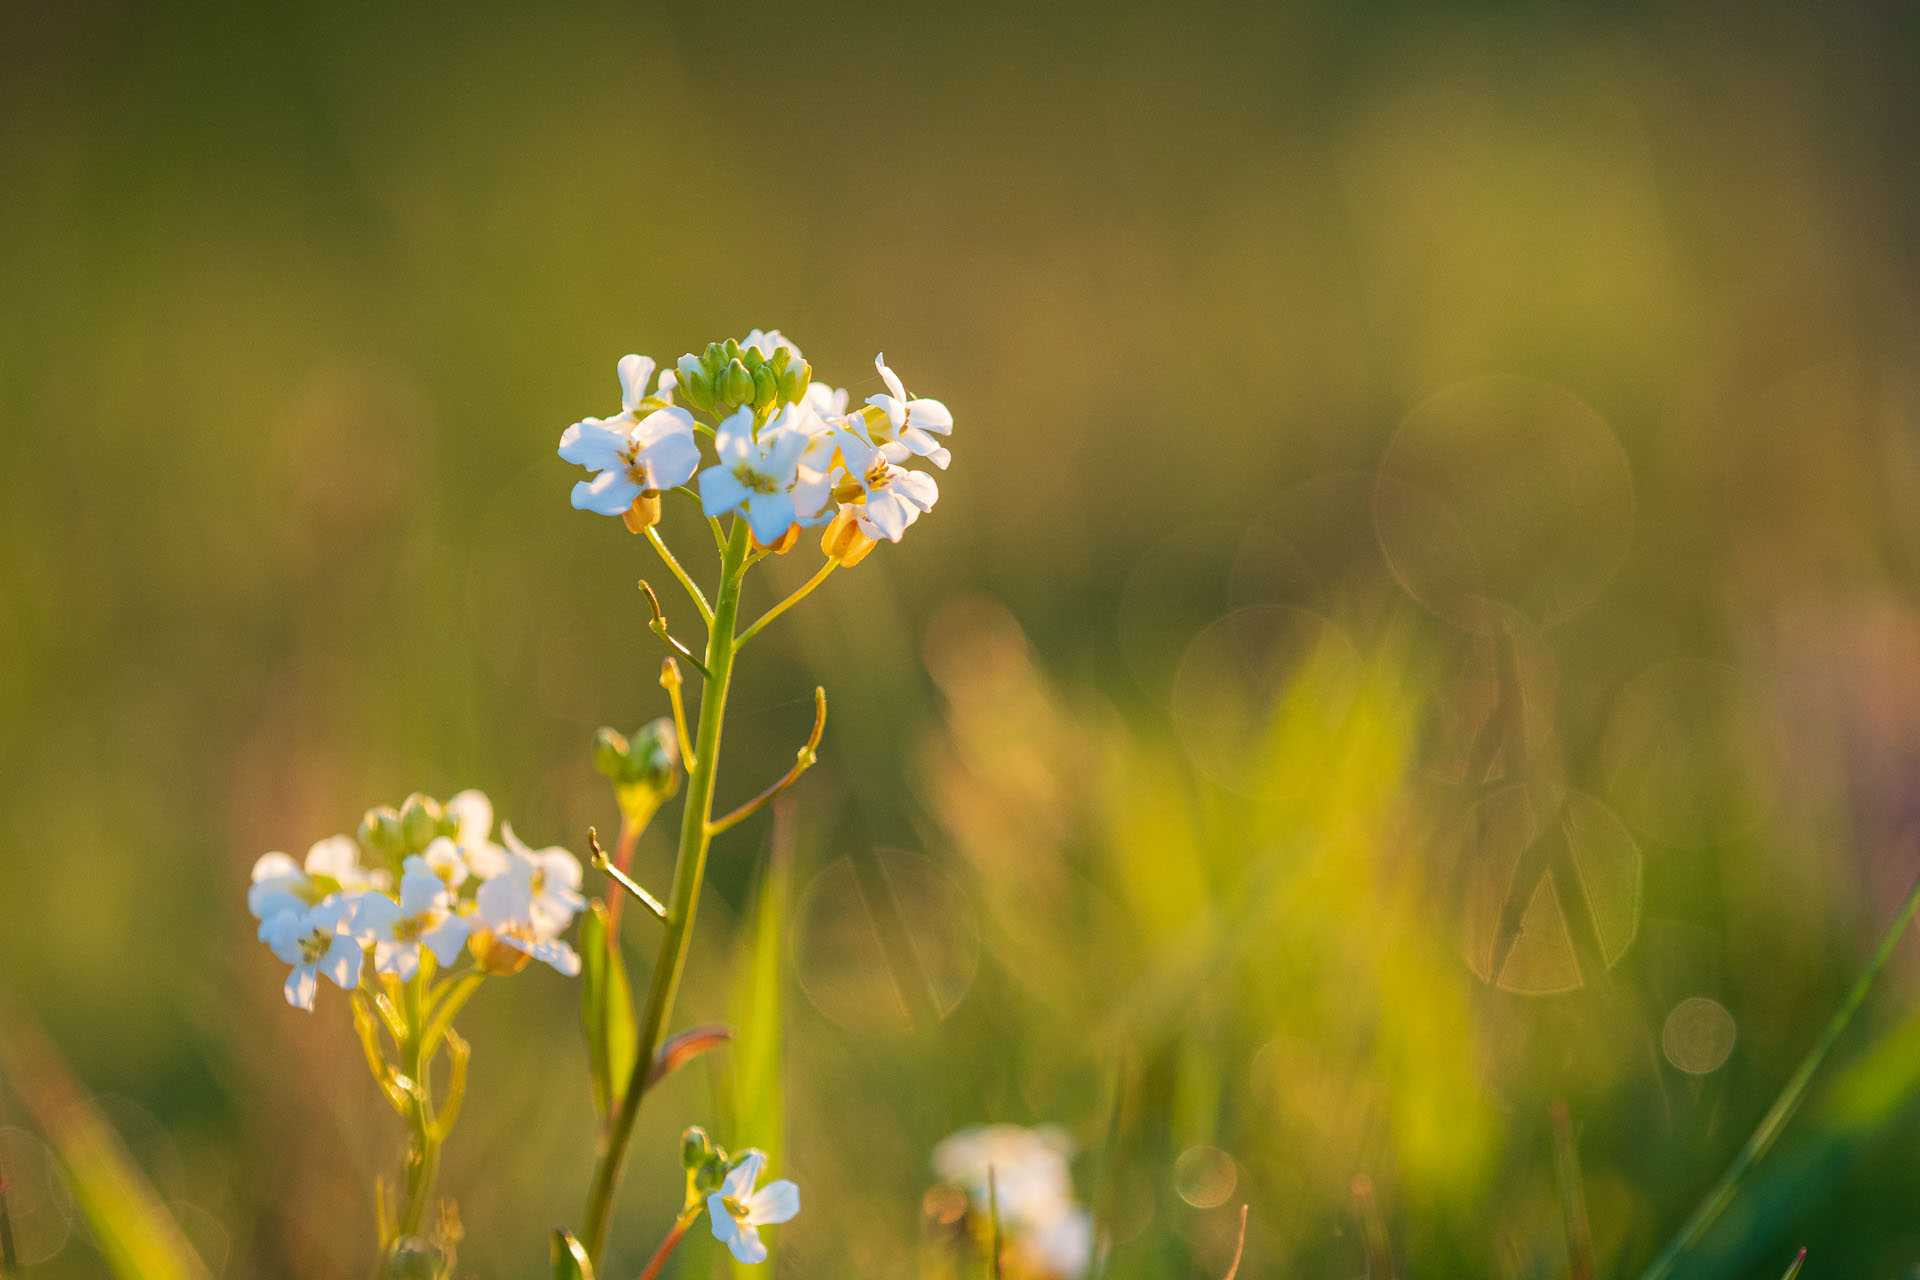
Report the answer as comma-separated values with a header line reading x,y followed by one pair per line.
x,y
1047,1232
788,454
455,889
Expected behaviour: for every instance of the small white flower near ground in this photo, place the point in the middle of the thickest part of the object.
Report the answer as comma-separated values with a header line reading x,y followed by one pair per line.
x,y
738,1211
321,939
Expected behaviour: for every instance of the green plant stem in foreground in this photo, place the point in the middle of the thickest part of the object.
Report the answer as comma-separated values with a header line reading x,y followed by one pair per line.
x,y
1783,1106
690,865
423,1161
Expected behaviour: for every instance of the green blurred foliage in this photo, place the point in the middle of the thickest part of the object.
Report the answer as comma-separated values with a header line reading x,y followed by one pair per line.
x,y
1149,805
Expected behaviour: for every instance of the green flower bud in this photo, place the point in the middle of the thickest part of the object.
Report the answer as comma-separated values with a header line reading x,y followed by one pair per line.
x,y
696,1148
696,386
739,383
794,380
655,756
766,388
710,1175
752,358
780,359
380,831
611,752
420,821
733,349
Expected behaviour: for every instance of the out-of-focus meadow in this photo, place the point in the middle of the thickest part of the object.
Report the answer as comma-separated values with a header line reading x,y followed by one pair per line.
x,y
1421,627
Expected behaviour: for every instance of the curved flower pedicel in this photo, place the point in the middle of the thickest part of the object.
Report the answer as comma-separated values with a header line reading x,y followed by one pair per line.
x,y
738,1211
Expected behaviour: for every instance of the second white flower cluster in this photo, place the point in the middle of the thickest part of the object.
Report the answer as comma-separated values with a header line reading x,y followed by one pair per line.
x,y
437,883
788,452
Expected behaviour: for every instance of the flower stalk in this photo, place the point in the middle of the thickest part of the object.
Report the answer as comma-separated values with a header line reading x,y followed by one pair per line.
x,y
689,871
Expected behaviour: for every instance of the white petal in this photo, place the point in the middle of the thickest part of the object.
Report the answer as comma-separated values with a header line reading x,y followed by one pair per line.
x,y
774,1203
447,939
608,494
896,411
809,493
282,932
401,959
269,900
506,899
891,379
738,1184
373,915
472,815
917,487
672,460
593,444
663,424
300,988
724,1226
884,516
276,866
733,441
634,372
720,492
930,415
336,856
485,859
770,514
421,890
342,963
746,1245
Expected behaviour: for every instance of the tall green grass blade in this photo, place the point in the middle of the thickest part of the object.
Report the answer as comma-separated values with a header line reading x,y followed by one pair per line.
x,y
1786,1104
569,1258
137,1236
1793,1269
759,1113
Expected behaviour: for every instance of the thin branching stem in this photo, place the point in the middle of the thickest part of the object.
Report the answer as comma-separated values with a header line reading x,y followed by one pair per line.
x,y
689,871
605,864
670,680
806,757
1787,1103
659,627
693,589
805,589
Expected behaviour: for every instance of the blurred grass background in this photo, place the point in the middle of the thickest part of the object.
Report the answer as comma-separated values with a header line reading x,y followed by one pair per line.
x,y
1145,804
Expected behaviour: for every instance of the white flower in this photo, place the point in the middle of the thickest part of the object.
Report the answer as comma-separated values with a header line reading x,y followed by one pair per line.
x,y
1063,1247
911,424
281,885
529,904
1032,1182
895,498
316,940
738,1210
424,916
756,477
657,452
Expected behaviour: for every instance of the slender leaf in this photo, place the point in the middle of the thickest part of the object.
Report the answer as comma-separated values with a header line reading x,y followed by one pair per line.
x,y
758,1111
606,1010
570,1260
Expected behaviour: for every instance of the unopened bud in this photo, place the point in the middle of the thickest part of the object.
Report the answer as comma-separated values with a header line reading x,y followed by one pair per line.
x,y
694,386
380,831
708,1177
655,755
766,387
844,539
696,1148
610,752
420,821
739,384
642,512
794,380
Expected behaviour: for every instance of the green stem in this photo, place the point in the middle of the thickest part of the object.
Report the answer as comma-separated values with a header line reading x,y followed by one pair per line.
x,y
804,590
1783,1106
689,869
693,589
423,1160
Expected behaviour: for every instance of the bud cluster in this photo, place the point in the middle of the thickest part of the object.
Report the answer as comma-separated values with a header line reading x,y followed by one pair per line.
x,y
763,375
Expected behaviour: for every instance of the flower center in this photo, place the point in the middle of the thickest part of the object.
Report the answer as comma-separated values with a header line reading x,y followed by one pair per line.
x,y
409,928
878,476
753,481
314,947
734,1207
